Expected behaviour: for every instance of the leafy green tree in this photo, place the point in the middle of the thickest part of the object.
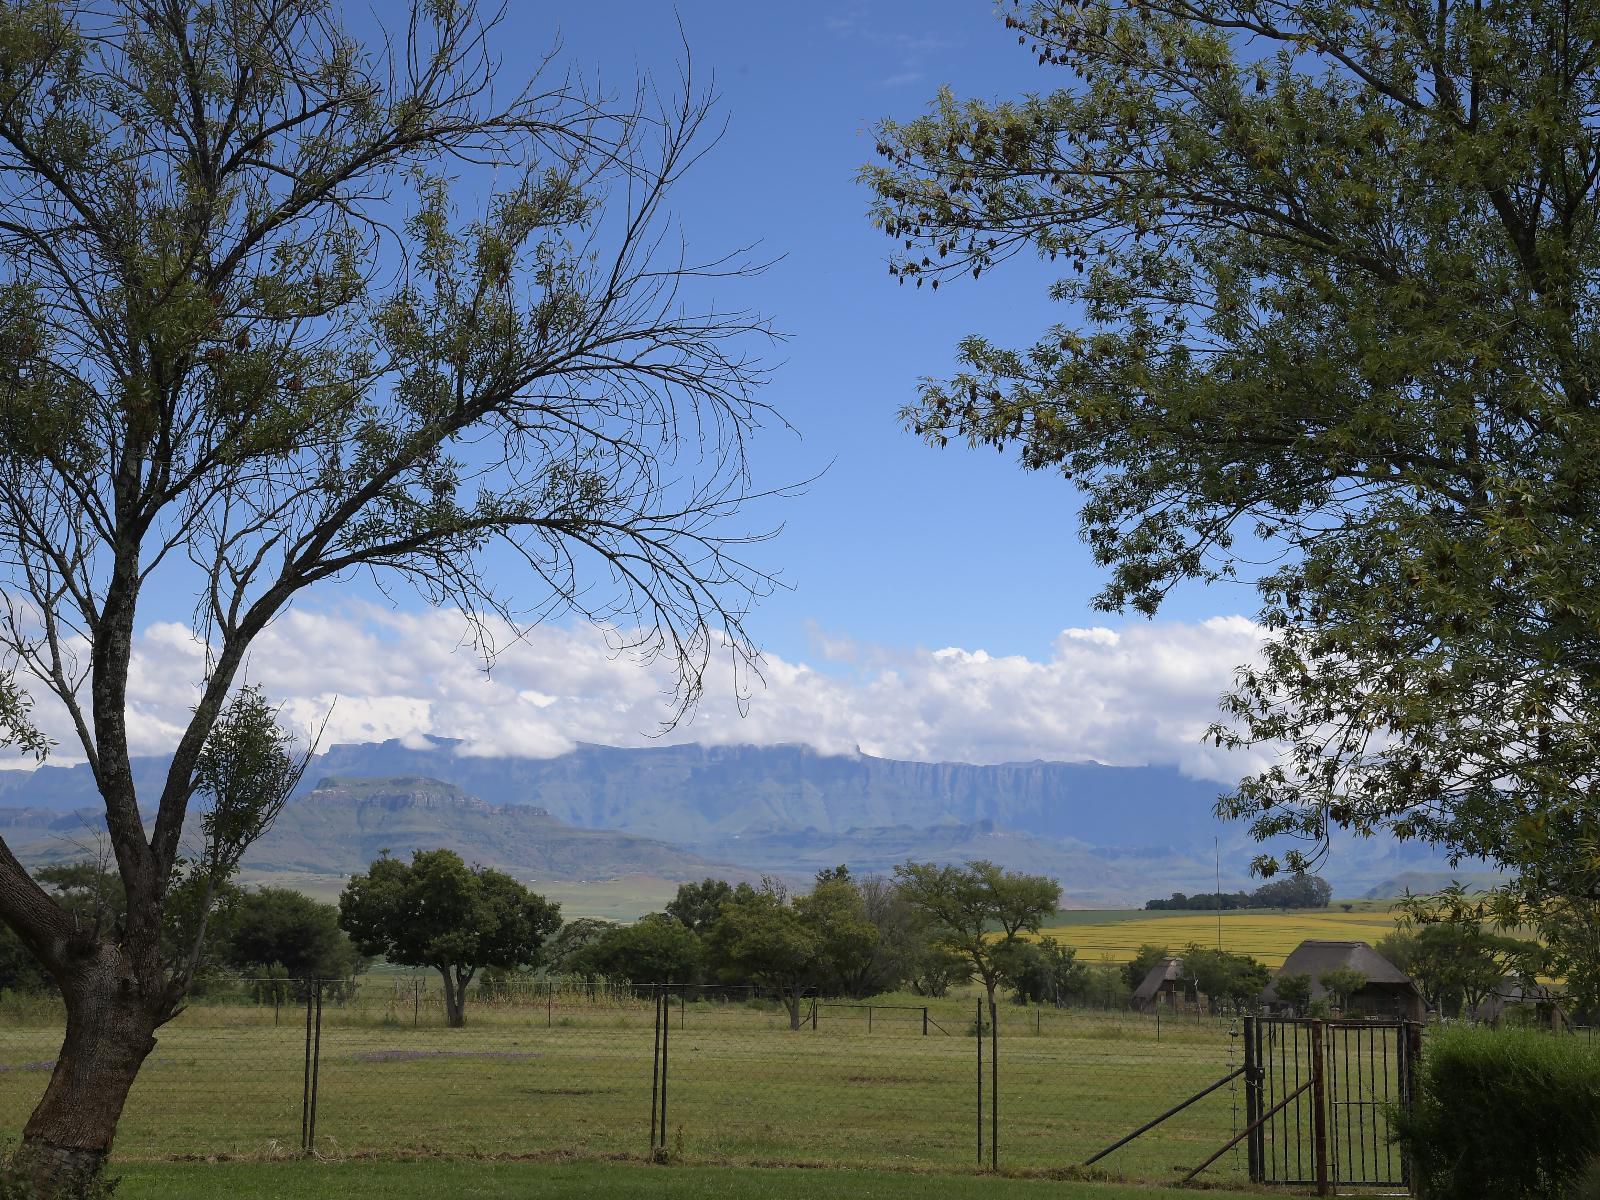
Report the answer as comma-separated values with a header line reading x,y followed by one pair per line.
x,y
1142,963
979,911
1298,890
281,927
936,968
1455,952
900,949
437,912
1325,271
762,938
207,385
847,939
567,952
1341,983
699,905
656,949
1046,972
1294,990
1224,976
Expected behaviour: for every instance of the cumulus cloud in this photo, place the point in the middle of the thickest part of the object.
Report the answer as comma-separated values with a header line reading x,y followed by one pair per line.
x,y
1141,693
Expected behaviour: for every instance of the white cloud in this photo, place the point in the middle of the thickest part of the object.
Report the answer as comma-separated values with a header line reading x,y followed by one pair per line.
x,y
1143,693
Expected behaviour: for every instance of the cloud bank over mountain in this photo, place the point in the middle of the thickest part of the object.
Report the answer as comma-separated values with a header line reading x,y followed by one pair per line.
x,y
1140,694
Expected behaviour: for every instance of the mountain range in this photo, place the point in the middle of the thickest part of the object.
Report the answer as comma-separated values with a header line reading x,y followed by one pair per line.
x,y
1112,835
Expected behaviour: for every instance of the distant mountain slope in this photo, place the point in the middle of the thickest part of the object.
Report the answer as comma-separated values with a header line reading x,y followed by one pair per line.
x,y
1111,834
341,825
693,792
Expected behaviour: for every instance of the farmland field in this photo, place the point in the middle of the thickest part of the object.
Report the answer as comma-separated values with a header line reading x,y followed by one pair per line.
x,y
1266,935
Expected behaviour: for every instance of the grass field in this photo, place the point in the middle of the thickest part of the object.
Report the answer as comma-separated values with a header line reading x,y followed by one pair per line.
x,y
372,1180
1267,936
225,1082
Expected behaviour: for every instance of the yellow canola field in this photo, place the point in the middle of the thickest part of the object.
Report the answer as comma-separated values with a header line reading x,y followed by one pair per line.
x,y
1268,937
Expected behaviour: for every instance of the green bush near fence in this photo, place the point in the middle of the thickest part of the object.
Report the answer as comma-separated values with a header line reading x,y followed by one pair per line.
x,y
1509,1114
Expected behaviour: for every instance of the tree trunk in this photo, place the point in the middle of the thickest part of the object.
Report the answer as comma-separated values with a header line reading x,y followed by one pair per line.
x,y
455,999
110,1031
791,1001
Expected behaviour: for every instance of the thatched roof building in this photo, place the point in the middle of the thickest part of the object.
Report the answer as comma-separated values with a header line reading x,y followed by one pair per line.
x,y
1538,1001
1388,990
1164,984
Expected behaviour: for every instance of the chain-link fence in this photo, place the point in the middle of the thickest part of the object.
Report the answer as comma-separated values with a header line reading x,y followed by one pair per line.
x,y
543,1069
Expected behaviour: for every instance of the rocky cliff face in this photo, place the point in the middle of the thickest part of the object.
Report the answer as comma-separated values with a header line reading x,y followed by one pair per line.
x,y
1113,833
692,793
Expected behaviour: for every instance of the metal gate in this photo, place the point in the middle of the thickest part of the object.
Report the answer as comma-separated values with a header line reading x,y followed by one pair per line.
x,y
1318,1099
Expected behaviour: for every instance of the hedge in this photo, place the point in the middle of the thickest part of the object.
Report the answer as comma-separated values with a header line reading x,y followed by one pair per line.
x,y
1512,1114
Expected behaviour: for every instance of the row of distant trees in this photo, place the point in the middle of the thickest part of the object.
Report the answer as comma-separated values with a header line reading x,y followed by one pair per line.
x,y
1299,890
925,929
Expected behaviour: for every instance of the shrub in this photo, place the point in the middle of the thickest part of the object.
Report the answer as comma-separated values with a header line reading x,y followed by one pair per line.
x,y
1512,1114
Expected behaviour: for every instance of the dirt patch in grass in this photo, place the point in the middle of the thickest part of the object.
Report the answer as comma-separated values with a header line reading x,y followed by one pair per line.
x,y
568,1091
380,1056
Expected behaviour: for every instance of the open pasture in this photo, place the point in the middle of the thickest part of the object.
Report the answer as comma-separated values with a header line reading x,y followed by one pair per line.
x,y
1266,935
575,1079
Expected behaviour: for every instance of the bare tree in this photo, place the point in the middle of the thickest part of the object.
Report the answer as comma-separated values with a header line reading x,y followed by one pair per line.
x,y
250,337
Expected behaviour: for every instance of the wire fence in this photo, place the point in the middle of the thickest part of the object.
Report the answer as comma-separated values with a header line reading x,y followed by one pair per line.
x,y
582,1071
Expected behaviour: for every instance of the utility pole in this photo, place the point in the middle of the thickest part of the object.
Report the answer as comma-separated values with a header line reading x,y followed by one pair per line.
x,y
1217,846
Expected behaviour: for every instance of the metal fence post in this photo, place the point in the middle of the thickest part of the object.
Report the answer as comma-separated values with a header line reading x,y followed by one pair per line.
x,y
1410,1062
1252,1102
316,1064
924,1020
978,1029
305,1086
666,1029
1319,1111
994,1089
655,1077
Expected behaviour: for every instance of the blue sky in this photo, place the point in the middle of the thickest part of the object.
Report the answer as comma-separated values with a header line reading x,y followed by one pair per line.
x,y
896,544
940,602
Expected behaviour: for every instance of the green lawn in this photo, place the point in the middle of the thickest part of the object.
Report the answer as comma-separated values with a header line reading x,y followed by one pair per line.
x,y
571,1082
743,1088
615,1181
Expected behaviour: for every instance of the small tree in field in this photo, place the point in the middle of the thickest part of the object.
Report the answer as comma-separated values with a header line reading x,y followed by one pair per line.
x,y
979,911
656,949
1224,976
279,927
698,906
1341,983
251,343
762,937
438,912
1294,990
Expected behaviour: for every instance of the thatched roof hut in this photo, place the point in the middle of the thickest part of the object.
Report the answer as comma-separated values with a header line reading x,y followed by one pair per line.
x,y
1388,990
1538,1000
1163,984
